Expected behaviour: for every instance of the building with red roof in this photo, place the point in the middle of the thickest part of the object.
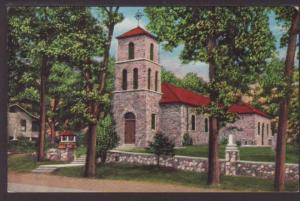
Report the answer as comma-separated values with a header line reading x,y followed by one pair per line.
x,y
142,105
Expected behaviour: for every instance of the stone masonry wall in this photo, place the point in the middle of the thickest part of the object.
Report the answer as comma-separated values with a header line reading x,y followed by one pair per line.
x,y
248,135
198,164
171,122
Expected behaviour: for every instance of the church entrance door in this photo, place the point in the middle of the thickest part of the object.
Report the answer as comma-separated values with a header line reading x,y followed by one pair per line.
x,y
129,128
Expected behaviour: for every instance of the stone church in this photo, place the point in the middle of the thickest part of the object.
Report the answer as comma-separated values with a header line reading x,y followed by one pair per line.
x,y
142,105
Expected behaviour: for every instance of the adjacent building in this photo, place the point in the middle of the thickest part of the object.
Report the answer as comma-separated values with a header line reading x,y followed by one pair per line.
x,y
22,123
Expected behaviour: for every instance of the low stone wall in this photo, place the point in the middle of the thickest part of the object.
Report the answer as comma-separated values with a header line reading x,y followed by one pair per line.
x,y
60,154
199,164
196,164
265,170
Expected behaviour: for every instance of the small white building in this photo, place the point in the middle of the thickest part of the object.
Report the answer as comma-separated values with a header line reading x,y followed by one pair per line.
x,y
22,123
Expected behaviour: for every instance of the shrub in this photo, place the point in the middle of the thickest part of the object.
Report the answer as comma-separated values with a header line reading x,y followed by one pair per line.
x,y
187,140
48,144
81,139
224,141
161,145
107,138
238,143
22,145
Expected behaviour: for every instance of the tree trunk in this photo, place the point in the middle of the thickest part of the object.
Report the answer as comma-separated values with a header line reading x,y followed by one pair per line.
x,y
284,105
41,141
213,147
103,156
54,104
90,163
157,160
52,131
95,110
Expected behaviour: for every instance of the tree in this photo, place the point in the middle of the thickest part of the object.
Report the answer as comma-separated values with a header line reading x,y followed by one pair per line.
x,y
93,39
161,145
193,82
234,41
63,81
169,77
291,18
42,33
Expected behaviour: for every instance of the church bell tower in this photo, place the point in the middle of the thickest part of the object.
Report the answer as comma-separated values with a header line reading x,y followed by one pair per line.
x,y
137,87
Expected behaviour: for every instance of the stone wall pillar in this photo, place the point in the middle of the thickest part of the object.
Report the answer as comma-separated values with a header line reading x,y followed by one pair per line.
x,y
232,156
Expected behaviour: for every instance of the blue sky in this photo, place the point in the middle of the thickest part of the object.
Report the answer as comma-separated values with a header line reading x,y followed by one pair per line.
x,y
170,60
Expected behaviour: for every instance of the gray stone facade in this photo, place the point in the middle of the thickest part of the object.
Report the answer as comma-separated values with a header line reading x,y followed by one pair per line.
x,y
248,133
176,121
142,102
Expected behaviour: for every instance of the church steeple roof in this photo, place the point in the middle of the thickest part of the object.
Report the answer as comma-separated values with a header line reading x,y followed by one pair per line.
x,y
138,31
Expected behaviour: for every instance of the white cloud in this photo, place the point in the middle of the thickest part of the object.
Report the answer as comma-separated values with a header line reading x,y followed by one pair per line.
x,y
174,65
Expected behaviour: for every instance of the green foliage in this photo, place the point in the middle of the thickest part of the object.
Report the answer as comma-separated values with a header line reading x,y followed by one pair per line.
x,y
169,77
187,140
80,139
243,39
224,141
49,145
190,81
22,145
193,82
107,138
161,145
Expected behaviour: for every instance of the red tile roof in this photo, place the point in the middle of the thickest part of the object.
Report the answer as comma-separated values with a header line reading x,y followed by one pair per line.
x,y
138,31
245,108
173,94
67,133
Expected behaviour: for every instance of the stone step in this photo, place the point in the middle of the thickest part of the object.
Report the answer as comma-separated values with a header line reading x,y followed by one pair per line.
x,y
78,162
43,170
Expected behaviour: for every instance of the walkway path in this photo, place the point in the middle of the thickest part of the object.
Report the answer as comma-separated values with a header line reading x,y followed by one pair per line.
x,y
23,182
50,168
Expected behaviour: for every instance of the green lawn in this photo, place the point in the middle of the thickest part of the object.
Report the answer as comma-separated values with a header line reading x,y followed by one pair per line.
x,y
25,163
246,153
167,175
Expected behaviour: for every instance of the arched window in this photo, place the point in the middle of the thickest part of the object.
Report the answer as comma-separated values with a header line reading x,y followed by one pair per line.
x,y
267,129
156,81
131,50
193,121
206,124
135,78
124,79
263,129
151,52
149,78
258,128
129,115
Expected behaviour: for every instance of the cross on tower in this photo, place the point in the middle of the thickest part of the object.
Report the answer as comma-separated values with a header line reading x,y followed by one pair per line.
x,y
138,16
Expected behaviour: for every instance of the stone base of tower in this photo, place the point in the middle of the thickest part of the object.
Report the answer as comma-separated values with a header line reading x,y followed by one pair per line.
x,y
138,105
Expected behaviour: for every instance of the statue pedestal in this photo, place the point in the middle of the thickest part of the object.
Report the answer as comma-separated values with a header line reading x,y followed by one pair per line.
x,y
232,156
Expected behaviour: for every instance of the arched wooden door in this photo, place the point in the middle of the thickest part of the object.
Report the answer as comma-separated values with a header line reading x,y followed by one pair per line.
x,y
129,128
